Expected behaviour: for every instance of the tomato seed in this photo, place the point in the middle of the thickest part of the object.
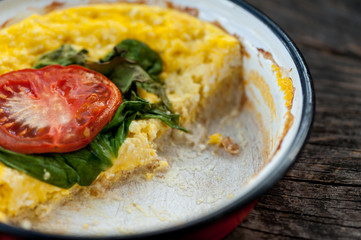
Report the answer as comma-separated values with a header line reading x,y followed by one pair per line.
x,y
2,120
10,124
93,97
9,89
86,132
22,133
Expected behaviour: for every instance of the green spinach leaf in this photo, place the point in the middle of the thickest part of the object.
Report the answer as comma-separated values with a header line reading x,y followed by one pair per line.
x,y
124,71
157,88
65,55
121,72
47,168
140,53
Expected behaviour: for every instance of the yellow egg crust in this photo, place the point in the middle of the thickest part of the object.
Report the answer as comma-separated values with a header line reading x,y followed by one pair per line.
x,y
197,57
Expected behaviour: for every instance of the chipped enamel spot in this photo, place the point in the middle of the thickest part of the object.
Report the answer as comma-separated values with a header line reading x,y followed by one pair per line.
x,y
50,111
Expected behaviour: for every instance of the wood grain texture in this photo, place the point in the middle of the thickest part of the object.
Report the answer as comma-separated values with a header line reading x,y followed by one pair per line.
x,y
320,196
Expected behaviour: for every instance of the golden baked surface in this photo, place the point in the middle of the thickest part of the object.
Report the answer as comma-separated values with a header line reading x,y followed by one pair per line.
x,y
197,57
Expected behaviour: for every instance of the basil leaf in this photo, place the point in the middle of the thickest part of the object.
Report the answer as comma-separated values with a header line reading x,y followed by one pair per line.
x,y
140,53
111,141
145,110
61,170
172,120
47,168
65,55
87,165
122,132
157,89
121,72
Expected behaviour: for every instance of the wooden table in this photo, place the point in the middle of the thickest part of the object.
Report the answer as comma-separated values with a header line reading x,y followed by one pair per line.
x,y
320,196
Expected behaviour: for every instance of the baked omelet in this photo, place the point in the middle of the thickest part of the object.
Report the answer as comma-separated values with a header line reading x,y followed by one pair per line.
x,y
197,56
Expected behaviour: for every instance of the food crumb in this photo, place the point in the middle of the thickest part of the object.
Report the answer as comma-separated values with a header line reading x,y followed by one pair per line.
x,y
149,176
26,224
230,146
140,209
129,209
157,214
46,175
229,196
202,147
86,226
215,139
226,142
121,230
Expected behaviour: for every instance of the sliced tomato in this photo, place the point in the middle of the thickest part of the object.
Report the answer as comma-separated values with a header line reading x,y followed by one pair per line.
x,y
54,109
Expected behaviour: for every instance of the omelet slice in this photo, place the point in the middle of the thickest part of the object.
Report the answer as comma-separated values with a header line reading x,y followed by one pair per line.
x,y
198,59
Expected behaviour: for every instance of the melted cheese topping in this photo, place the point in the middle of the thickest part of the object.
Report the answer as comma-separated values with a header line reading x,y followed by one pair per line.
x,y
197,57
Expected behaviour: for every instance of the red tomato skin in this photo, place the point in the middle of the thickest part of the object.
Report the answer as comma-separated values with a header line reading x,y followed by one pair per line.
x,y
54,109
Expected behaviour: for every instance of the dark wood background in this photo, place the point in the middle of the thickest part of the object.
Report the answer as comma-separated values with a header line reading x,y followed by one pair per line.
x,y
320,196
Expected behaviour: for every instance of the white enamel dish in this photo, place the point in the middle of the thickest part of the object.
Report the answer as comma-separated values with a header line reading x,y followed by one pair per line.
x,y
213,201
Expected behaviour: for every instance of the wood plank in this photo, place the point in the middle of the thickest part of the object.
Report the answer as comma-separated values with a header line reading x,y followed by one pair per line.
x,y
320,196
328,25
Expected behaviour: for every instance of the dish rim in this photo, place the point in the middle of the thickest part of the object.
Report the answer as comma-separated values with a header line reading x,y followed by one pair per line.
x,y
302,133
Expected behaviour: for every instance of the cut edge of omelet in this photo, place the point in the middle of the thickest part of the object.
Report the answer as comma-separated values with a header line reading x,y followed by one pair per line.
x,y
195,87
